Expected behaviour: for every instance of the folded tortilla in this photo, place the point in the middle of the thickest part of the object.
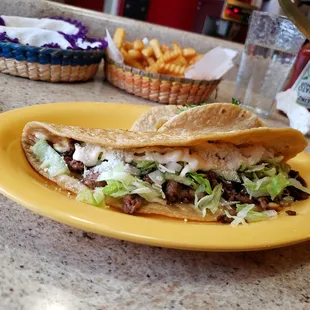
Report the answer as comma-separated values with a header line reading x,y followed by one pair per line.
x,y
214,149
213,117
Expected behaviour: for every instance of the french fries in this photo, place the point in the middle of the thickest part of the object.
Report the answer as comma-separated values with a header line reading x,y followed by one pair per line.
x,y
138,45
165,48
189,52
147,52
155,57
128,46
119,37
134,54
156,48
172,69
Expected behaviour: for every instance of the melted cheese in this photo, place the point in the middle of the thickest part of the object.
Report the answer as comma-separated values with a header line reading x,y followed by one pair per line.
x,y
193,161
62,146
221,157
87,154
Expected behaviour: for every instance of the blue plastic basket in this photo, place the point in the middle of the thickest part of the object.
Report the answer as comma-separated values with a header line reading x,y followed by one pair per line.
x,y
49,64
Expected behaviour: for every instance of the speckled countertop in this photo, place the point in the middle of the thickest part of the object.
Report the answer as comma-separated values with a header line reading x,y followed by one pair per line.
x,y
45,265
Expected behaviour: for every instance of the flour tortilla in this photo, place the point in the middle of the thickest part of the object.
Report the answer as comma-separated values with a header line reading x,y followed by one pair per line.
x,y
214,117
285,141
155,117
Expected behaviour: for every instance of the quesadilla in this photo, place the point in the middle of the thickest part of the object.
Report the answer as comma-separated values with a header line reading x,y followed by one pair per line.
x,y
212,117
233,177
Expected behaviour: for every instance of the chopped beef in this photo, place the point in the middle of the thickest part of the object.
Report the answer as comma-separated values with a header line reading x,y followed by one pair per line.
x,y
229,191
147,179
171,190
263,202
176,192
131,203
90,180
290,212
187,195
74,165
71,148
212,177
223,218
295,174
297,193
244,197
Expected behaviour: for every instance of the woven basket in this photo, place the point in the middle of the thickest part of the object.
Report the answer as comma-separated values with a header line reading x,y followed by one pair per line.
x,y
159,87
48,64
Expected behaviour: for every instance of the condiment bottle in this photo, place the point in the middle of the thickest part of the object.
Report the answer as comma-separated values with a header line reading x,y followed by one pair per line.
x,y
301,61
299,74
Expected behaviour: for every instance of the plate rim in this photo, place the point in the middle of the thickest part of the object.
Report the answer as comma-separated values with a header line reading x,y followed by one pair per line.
x,y
64,218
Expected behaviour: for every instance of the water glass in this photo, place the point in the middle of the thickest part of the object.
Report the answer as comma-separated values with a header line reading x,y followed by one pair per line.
x,y
271,47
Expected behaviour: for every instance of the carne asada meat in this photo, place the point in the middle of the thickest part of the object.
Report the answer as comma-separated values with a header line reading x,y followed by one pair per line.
x,y
131,203
176,192
90,180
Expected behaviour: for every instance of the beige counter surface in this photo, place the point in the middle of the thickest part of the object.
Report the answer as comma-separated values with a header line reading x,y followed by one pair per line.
x,y
47,265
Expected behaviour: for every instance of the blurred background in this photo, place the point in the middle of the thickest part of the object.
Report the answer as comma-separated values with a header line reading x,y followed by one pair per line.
x,y
225,19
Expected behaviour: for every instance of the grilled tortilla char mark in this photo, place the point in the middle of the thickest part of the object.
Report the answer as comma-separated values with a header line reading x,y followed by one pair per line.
x,y
132,203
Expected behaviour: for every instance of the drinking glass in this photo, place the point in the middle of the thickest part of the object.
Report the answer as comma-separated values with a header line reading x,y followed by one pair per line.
x,y
271,47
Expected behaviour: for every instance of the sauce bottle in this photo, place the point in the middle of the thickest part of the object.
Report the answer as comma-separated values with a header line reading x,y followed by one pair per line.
x,y
301,61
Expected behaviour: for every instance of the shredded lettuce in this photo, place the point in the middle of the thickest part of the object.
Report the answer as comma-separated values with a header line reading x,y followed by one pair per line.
x,y
157,177
201,189
235,101
146,166
200,179
210,202
275,160
255,168
245,214
272,186
276,185
254,216
229,175
117,174
298,185
270,172
147,191
179,179
50,159
95,198
256,188
120,183
269,168
115,189
99,196
267,186
243,210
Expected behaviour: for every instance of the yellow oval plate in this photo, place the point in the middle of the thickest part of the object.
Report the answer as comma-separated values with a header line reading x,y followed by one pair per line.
x,y
22,184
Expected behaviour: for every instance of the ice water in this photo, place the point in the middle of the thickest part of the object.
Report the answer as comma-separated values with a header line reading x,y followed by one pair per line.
x,y
262,74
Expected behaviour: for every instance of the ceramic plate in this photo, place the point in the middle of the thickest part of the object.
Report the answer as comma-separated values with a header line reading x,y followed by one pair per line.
x,y
22,184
